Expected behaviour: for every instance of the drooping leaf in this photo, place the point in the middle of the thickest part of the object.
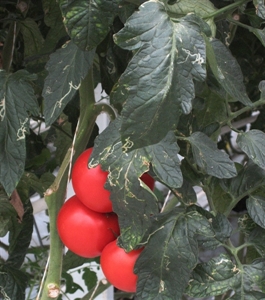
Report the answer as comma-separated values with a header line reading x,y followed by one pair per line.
x,y
226,71
88,22
20,238
17,100
33,39
158,82
67,67
253,144
256,209
206,155
13,283
213,278
165,265
132,200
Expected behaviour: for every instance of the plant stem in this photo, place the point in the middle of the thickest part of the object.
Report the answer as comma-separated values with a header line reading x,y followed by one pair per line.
x,y
55,195
225,9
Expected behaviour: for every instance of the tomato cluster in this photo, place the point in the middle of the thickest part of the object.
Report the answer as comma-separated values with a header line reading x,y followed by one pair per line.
x,y
88,226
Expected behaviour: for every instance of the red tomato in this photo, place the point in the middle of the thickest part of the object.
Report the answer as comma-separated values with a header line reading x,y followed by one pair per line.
x,y
88,184
84,231
148,180
117,265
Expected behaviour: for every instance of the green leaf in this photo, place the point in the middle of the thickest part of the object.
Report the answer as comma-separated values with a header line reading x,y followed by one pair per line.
x,y
221,198
158,82
213,278
67,67
249,179
8,214
17,99
165,265
165,161
206,155
256,209
31,181
257,239
226,71
90,278
20,238
72,260
254,276
53,19
213,111
253,144
201,8
132,201
260,8
88,22
13,283
33,39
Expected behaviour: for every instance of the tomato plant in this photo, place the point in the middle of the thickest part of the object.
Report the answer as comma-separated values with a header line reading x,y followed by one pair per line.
x,y
184,86
117,265
83,231
88,184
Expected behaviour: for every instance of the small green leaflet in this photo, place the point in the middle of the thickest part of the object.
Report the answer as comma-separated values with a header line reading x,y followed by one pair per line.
x,y
158,82
212,278
253,144
17,100
256,209
165,265
67,67
226,70
88,22
260,8
206,155
132,200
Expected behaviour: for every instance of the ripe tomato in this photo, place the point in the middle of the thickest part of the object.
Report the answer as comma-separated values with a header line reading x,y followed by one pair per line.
x,y
84,231
148,180
117,265
88,184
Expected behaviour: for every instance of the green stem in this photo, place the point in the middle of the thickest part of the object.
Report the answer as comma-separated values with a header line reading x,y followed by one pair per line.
x,y
55,195
225,9
207,191
9,46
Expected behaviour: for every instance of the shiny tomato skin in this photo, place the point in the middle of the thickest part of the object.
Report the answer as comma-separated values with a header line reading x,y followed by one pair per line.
x,y
88,184
84,231
148,180
117,265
